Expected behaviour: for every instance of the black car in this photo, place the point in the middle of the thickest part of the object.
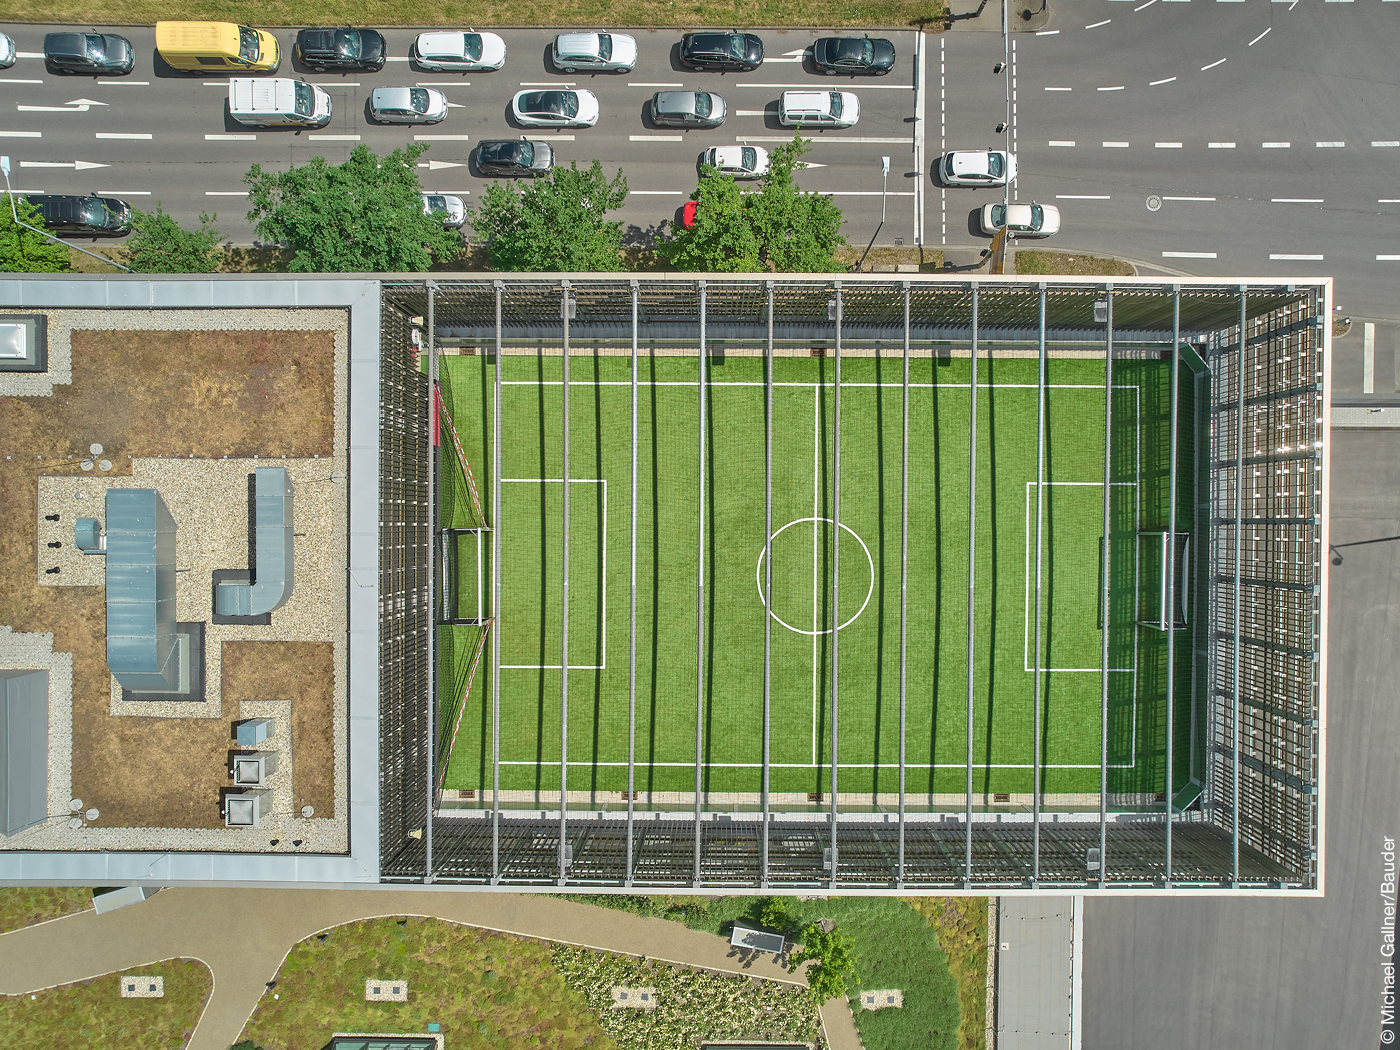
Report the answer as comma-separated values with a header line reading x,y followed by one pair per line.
x,y
103,54
848,54
514,157
341,50
93,216
741,52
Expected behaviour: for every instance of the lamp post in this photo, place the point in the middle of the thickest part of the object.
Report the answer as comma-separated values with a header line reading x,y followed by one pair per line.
x,y
885,172
14,214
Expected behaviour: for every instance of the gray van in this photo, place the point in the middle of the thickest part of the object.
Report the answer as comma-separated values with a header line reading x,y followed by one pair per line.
x,y
90,216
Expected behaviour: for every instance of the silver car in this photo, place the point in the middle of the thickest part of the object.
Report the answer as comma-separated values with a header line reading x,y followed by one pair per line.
x,y
459,52
8,51
687,109
447,207
573,108
594,52
738,162
407,105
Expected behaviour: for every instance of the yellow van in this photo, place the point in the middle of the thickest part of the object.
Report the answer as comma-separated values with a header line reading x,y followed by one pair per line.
x,y
205,47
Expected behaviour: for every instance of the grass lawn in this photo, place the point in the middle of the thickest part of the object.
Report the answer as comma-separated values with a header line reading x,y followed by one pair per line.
x,y
488,991
529,526
895,947
961,923
93,1014
1070,264
22,906
627,13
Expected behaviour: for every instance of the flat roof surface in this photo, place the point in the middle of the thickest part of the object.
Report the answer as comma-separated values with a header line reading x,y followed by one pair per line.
x,y
1034,990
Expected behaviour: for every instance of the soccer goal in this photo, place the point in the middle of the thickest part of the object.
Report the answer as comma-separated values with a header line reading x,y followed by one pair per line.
x,y
1163,611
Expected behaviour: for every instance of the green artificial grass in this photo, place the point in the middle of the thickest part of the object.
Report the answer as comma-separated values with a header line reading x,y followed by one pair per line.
x,y
488,991
530,528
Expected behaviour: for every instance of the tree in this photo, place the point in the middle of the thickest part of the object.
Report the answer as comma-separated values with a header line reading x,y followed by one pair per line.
x,y
773,914
159,244
775,228
831,951
363,216
24,251
554,223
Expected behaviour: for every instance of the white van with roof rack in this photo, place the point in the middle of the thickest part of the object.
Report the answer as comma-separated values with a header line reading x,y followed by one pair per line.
x,y
278,102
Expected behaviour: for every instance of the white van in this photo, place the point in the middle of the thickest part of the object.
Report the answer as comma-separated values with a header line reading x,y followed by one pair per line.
x,y
264,102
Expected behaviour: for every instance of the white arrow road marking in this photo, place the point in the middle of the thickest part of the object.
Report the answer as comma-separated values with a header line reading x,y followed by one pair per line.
x,y
78,105
455,105
810,164
434,165
799,51
78,165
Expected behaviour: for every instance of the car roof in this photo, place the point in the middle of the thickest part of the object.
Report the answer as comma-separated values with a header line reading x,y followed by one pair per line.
x,y
676,101
442,43
582,45
502,149
549,100
814,100
392,98
972,163
709,41
67,43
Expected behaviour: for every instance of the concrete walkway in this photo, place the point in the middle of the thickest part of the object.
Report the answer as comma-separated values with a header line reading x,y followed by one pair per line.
x,y
243,936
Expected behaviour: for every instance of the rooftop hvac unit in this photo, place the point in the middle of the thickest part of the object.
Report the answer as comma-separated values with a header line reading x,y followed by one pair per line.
x,y
254,769
247,808
253,731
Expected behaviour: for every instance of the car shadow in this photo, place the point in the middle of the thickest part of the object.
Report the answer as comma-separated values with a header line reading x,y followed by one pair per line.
x,y
974,225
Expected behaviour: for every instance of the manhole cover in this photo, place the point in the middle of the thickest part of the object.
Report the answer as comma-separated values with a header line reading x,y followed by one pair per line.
x,y
1154,203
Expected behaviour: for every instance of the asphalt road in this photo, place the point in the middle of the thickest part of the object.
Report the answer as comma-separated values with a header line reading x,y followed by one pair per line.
x,y
165,136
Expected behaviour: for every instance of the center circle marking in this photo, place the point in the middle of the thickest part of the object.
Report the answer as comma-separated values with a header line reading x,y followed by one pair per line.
x,y
758,575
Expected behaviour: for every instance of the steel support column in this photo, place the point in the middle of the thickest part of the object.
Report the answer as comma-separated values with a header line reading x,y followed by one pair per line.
x,y
700,592
1105,592
1039,553
1171,576
431,458
495,627
835,579
1239,555
632,615
767,586
904,580
971,586
565,304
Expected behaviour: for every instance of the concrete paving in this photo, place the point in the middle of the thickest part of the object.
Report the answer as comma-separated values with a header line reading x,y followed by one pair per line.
x,y
243,936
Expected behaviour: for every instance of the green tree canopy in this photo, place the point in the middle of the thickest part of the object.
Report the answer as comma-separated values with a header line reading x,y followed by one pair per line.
x,y
555,223
159,244
832,953
775,228
363,216
24,251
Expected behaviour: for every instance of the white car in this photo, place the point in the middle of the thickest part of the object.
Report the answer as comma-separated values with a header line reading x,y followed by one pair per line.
x,y
983,167
821,109
739,162
459,52
8,51
555,108
452,210
407,105
1022,220
594,53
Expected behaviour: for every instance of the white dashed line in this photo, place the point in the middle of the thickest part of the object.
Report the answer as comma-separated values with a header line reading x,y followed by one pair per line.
x,y
1168,145
21,134
1059,89
640,83
657,193
1118,88
1155,83
1097,24
1261,36
29,54
125,193
442,138
1062,142
1330,145
335,138
1079,197
230,138
123,83
1188,198
226,193
1115,145
1188,255
1297,258
1141,6
1275,145
655,138
1048,32
1221,145
121,135
443,83
1388,258
750,112
1295,200
7,80
1390,144
1217,62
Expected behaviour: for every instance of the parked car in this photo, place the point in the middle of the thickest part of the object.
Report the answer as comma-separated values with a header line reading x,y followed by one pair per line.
x,y
512,157
848,54
572,108
983,167
1021,220
97,54
594,53
407,105
818,109
690,215
459,52
8,51
451,209
688,109
740,162
341,50
726,52
83,216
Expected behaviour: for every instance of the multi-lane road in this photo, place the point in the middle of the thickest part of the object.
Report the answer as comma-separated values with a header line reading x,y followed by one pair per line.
x,y
1213,137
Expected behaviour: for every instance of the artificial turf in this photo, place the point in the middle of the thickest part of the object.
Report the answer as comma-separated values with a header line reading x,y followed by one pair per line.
x,y
529,527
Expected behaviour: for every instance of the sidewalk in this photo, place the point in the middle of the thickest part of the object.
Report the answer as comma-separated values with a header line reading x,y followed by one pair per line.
x,y
243,936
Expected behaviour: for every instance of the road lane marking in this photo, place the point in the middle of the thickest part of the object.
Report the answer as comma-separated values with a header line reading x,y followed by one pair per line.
x,y
1212,65
824,138
29,54
1097,24
1118,88
435,165
215,83
652,84
1295,200
1221,145
228,137
21,134
1059,89
571,138
76,165
8,80
124,193
810,86
1276,145
123,83
862,193
1141,6
1388,258
1297,258
655,138
136,135
1062,142
397,58
1079,197
1048,32
657,193
750,112
77,105
226,193
1155,83
1261,36
1115,145
442,83
1330,145
1188,198
441,138
1188,255
1389,144
1168,145
335,138
548,83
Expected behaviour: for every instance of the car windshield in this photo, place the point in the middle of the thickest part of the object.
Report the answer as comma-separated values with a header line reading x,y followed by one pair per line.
x,y
994,165
305,99
434,202
471,46
836,105
551,103
94,212
736,45
247,44
95,49
998,214
418,99
750,158
347,43
605,47
1037,216
524,154
702,103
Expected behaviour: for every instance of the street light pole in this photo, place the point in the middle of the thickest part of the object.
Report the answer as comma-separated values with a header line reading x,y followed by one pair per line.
x,y
14,214
885,171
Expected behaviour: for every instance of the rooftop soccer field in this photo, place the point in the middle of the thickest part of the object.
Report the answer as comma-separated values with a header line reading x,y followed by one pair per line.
x,y
724,623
